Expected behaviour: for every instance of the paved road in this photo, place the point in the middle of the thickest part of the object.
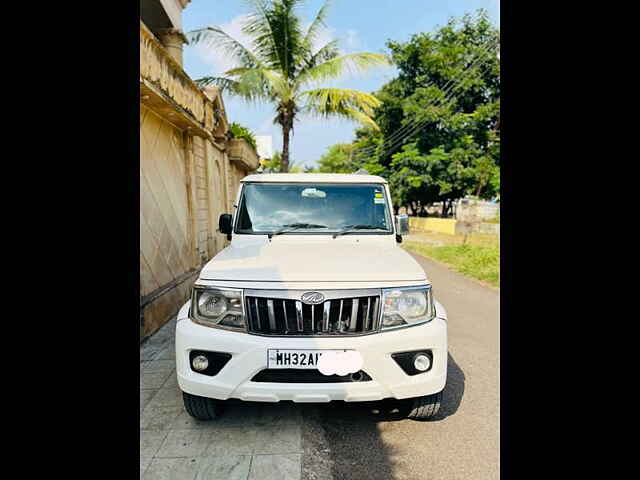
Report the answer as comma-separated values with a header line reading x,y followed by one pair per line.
x,y
343,441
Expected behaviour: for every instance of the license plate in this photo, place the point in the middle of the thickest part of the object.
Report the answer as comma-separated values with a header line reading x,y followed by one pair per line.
x,y
299,359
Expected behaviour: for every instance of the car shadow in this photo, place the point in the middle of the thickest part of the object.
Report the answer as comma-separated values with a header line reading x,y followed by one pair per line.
x,y
393,410
347,436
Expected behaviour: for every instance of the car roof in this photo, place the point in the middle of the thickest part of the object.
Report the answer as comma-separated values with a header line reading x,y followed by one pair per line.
x,y
312,178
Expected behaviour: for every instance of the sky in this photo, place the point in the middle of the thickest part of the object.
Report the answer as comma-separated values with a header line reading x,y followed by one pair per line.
x,y
361,26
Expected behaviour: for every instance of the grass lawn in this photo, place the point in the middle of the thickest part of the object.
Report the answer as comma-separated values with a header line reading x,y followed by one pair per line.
x,y
478,258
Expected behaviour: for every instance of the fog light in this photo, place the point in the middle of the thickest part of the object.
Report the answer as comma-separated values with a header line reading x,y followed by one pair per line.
x,y
200,363
422,362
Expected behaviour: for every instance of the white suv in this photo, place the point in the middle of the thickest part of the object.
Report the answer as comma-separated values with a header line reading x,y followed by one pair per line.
x,y
312,301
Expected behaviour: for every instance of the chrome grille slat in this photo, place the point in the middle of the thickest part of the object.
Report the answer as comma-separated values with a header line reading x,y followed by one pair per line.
x,y
365,321
257,313
286,318
299,316
313,323
361,315
325,315
353,322
376,313
272,317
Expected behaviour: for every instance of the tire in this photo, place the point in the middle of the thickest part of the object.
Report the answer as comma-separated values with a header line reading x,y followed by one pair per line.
x,y
200,408
424,408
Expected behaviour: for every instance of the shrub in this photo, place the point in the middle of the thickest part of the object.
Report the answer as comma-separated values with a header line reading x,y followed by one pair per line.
x,y
238,131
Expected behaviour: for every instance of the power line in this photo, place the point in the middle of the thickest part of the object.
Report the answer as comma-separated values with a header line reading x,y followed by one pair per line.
x,y
421,124
398,141
446,90
397,137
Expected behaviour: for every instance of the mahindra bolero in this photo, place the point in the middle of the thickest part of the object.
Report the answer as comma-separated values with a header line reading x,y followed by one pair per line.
x,y
313,300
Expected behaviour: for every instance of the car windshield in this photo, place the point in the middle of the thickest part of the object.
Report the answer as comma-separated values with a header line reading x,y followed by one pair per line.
x,y
266,208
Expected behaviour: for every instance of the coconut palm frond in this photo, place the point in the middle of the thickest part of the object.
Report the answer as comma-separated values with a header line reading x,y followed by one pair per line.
x,y
327,52
244,87
278,85
364,119
349,63
223,83
316,26
270,82
215,37
253,87
276,33
352,104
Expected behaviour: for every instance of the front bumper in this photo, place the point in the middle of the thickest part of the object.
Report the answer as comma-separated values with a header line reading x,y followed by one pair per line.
x,y
249,356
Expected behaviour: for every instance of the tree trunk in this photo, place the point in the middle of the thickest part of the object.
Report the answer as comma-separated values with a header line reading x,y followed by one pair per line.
x,y
444,209
286,129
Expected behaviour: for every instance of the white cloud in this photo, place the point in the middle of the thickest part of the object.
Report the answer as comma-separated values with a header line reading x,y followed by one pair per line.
x,y
216,57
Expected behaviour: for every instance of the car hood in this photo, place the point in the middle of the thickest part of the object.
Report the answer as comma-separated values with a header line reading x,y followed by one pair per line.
x,y
309,262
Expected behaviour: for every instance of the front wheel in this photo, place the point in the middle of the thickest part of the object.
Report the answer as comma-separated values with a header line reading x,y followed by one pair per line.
x,y
424,408
200,408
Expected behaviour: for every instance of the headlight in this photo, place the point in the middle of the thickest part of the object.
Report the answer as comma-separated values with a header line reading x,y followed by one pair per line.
x,y
407,306
215,307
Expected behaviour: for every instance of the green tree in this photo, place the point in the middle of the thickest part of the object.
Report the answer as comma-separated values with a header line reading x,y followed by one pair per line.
x,y
445,105
274,164
282,66
337,159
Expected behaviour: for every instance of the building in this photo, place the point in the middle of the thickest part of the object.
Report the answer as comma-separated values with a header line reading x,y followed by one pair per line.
x,y
265,146
189,169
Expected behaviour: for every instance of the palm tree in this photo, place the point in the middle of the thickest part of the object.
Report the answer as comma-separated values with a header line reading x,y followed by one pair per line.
x,y
281,63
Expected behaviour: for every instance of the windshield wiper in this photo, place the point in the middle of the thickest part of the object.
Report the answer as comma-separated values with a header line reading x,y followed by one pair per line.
x,y
295,226
352,228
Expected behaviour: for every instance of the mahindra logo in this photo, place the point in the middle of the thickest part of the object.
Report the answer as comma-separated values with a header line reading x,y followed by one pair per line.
x,y
312,298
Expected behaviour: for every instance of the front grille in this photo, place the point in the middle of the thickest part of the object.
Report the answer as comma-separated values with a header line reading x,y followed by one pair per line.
x,y
290,375
335,316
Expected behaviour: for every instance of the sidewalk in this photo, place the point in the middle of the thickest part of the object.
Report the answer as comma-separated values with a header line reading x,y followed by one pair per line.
x,y
250,441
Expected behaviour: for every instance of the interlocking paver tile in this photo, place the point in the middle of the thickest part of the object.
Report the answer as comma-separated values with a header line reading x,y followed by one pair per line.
x,y
168,353
153,379
172,469
278,439
145,396
150,442
159,366
184,421
185,443
231,467
172,381
149,352
158,418
232,441
144,463
167,397
276,467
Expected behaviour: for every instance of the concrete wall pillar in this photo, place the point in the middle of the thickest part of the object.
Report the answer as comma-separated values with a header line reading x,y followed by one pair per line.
x,y
173,39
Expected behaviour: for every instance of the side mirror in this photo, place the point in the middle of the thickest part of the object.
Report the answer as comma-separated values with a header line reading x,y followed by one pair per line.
x,y
402,224
225,224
